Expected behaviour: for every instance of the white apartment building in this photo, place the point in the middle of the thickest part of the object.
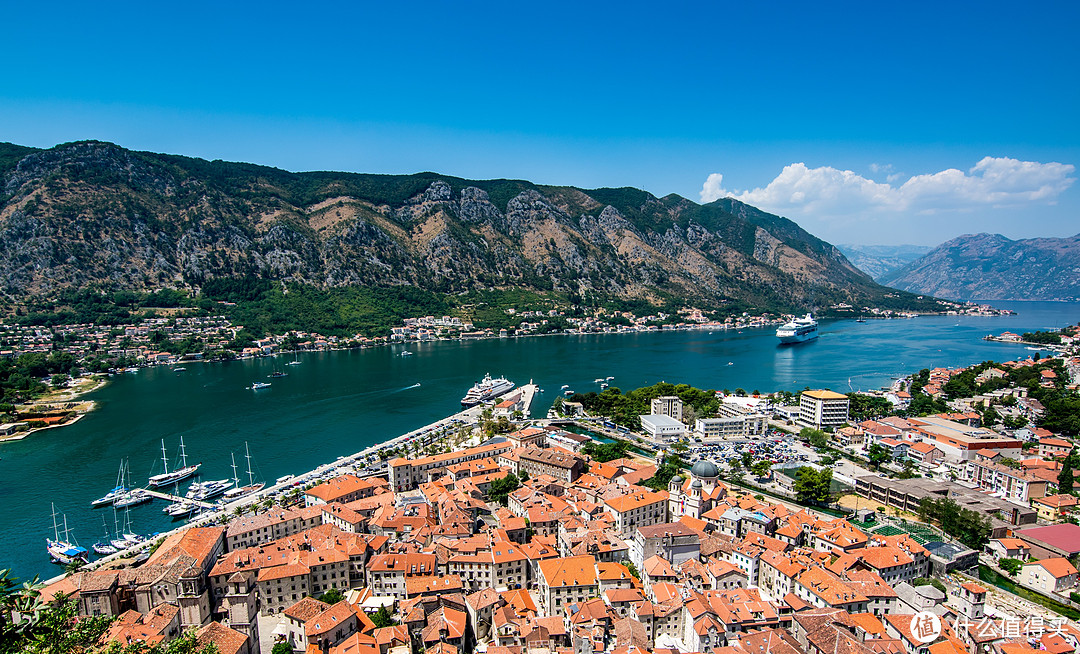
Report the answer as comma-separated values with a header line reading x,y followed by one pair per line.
x,y
667,405
823,409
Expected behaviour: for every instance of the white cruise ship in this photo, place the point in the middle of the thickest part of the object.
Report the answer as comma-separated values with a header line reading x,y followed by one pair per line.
x,y
486,389
798,330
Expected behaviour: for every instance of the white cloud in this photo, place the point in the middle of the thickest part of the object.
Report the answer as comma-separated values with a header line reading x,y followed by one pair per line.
x,y
827,193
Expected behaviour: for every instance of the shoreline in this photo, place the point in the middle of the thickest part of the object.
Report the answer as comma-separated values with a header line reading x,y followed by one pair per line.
x,y
62,397
101,383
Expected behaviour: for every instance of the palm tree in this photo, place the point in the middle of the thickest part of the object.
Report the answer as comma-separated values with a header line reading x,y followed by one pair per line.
x,y
73,566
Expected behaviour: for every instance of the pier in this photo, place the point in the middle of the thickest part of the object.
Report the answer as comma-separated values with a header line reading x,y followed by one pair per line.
x,y
177,498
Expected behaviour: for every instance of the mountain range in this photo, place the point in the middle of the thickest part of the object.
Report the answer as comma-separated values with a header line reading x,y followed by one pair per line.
x,y
992,267
95,215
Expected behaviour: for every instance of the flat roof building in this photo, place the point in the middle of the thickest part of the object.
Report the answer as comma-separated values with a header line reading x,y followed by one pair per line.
x,y
662,427
905,494
823,409
960,441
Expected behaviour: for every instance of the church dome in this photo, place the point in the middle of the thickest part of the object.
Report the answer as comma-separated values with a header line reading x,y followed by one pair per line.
x,y
705,469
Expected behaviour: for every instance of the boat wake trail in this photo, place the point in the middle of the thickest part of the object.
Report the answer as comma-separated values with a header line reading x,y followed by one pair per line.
x,y
417,385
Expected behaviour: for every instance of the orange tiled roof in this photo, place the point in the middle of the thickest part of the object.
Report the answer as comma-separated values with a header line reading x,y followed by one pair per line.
x,y
1058,567
570,571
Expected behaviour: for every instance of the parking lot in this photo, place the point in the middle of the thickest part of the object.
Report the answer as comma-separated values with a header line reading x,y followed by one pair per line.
x,y
776,447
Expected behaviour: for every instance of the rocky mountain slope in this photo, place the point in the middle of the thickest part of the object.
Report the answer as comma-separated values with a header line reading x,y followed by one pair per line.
x,y
95,214
992,267
880,260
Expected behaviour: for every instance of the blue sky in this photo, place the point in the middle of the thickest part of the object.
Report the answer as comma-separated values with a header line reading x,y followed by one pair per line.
x,y
864,122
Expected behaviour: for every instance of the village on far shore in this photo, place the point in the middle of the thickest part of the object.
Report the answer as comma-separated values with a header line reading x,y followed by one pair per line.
x,y
83,354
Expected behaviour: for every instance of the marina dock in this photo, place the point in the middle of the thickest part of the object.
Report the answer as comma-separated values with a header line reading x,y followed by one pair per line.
x,y
177,498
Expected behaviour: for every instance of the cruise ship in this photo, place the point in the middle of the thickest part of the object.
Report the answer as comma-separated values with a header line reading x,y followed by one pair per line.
x,y
486,389
798,330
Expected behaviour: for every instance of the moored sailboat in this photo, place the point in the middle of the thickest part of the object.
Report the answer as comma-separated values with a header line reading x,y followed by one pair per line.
x,y
116,493
179,474
104,547
64,550
238,491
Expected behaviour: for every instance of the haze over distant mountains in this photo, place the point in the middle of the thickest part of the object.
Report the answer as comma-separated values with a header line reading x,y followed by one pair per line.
x,y
96,214
879,260
992,267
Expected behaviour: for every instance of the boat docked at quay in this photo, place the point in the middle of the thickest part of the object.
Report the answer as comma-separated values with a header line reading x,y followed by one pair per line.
x,y
486,389
64,550
133,498
798,330
237,491
179,474
202,491
119,491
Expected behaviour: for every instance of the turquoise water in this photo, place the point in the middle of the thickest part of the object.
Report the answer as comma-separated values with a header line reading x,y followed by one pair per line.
x,y
338,403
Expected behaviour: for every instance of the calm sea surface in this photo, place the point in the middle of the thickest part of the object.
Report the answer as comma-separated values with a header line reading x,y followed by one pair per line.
x,y
339,403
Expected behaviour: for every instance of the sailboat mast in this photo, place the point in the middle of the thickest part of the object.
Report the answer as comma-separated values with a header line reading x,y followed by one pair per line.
x,y
56,529
236,480
251,475
183,454
164,457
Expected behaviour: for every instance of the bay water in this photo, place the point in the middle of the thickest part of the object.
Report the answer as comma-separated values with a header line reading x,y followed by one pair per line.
x,y
337,403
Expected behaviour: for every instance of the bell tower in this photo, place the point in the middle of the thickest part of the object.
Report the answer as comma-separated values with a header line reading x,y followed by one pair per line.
x,y
194,599
243,606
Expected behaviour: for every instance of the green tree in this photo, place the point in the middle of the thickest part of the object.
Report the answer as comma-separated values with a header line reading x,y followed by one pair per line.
x,y
604,452
867,407
878,455
1011,566
815,437
761,468
1014,422
501,488
55,628
966,525
1065,476
332,596
282,648
382,618
671,466
812,486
